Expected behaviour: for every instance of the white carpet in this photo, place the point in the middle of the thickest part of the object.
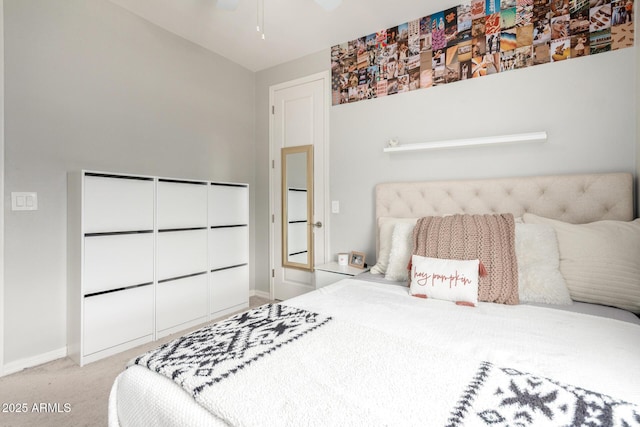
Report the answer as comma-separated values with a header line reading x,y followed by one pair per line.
x,y
85,391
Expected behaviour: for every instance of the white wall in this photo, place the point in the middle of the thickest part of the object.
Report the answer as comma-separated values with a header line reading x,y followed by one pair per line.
x,y
90,85
585,105
582,104
2,303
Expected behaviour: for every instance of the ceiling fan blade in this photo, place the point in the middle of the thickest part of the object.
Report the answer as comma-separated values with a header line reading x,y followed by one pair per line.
x,y
227,4
328,5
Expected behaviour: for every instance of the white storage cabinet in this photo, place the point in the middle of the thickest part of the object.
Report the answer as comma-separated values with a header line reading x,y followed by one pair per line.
x,y
228,248
151,256
111,264
182,290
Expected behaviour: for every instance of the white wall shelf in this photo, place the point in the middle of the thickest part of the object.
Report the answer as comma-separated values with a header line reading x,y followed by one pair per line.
x,y
470,142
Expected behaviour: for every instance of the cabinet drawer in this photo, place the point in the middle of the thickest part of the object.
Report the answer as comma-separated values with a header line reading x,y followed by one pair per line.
x,y
181,253
229,288
228,247
117,261
228,205
181,204
181,301
117,204
116,318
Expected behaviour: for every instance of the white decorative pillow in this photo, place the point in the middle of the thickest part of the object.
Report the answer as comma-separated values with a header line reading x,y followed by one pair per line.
x,y
539,277
400,254
600,261
385,232
445,279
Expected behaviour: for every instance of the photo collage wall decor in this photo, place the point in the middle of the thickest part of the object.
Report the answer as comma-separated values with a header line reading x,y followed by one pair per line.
x,y
475,39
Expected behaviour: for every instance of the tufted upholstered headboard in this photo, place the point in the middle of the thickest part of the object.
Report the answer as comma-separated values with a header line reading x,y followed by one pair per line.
x,y
570,198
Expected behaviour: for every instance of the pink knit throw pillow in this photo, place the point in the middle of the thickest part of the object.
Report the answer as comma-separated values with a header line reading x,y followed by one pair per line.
x,y
489,238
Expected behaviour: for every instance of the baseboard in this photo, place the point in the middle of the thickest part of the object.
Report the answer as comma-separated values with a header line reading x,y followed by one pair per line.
x,y
260,294
29,362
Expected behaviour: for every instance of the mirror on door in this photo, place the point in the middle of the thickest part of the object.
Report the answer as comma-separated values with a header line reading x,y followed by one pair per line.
x,y
297,207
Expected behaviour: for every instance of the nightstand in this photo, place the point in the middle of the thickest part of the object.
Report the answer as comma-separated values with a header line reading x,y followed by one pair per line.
x,y
329,273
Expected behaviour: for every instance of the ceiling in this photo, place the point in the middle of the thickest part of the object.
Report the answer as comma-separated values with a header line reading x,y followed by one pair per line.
x,y
293,28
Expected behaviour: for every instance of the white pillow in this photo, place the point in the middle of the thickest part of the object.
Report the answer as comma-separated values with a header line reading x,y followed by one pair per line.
x,y
600,261
385,232
539,277
446,279
400,254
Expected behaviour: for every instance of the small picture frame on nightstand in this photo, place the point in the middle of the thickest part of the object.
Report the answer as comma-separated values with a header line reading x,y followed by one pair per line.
x,y
356,259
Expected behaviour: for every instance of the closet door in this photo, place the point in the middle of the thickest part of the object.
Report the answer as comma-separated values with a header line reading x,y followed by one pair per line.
x,y
228,247
181,259
118,263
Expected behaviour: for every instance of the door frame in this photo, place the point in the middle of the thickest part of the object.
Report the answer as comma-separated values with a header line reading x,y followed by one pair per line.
x,y
325,77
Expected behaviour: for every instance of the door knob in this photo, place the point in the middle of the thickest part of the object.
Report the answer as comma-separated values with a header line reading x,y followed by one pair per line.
x,y
318,224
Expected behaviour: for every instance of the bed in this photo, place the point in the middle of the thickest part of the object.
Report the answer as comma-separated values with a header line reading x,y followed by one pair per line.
x,y
368,351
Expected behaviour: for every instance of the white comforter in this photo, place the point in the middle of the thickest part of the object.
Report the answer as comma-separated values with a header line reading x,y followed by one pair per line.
x,y
390,359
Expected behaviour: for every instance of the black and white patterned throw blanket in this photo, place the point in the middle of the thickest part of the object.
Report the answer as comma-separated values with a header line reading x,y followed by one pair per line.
x,y
313,370
507,397
213,353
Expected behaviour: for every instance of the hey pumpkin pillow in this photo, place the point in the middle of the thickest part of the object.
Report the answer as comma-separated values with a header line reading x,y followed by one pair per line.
x,y
489,238
445,279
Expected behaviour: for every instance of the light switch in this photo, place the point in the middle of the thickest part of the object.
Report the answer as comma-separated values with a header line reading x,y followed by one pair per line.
x,y
24,201
335,206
